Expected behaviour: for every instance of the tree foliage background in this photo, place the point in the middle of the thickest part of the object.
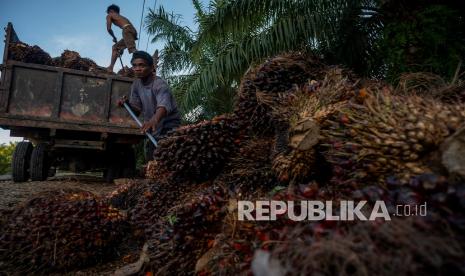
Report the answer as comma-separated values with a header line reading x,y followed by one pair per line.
x,y
6,153
374,38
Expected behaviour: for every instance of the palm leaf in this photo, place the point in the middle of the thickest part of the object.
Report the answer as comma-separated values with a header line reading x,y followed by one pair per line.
x,y
167,26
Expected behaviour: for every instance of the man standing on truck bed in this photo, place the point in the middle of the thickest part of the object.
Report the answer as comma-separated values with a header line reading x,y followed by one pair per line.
x,y
129,34
152,96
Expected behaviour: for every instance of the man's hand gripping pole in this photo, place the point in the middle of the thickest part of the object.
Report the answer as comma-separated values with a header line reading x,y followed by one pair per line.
x,y
128,108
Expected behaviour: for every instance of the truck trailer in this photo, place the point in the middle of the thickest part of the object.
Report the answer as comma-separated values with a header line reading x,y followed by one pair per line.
x,y
68,118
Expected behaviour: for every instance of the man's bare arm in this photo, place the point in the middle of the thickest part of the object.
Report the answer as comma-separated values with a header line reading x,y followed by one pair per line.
x,y
110,31
160,113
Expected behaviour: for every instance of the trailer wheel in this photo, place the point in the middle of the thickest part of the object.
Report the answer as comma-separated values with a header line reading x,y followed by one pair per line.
x,y
39,162
20,161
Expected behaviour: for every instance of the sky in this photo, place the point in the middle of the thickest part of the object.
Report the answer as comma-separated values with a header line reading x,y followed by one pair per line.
x,y
79,25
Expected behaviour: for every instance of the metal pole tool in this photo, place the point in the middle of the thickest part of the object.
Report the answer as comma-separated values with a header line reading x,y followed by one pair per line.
x,y
152,139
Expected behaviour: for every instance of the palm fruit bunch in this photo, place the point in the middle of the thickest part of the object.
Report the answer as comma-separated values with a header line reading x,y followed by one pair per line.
x,y
445,197
265,90
72,60
187,231
295,165
250,114
307,113
156,171
199,151
234,248
317,102
242,242
387,134
30,54
281,138
281,75
249,168
152,204
127,194
126,72
60,231
320,98
364,248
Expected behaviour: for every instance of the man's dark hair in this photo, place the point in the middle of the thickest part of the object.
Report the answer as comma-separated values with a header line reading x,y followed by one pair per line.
x,y
113,7
143,55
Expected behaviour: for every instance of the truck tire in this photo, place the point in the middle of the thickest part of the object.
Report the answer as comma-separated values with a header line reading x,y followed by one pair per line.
x,y
39,162
20,161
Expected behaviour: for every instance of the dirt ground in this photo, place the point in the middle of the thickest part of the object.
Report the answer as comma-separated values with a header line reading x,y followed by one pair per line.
x,y
12,193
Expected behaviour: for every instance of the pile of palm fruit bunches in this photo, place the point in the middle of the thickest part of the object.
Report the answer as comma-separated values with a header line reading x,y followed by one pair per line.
x,y
23,52
59,231
300,130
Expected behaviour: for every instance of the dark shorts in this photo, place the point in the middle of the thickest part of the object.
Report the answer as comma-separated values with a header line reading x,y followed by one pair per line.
x,y
128,41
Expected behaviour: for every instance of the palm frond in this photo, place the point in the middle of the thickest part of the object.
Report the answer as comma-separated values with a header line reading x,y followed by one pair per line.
x,y
173,58
167,26
179,85
199,10
289,32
